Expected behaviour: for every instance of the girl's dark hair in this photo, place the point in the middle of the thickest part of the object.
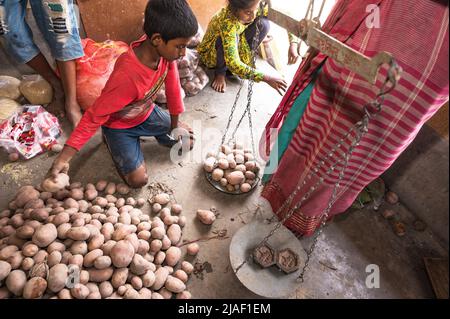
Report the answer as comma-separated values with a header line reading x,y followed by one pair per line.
x,y
170,18
236,5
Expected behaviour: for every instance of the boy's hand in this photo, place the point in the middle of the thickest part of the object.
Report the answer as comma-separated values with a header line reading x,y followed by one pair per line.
x,y
278,84
61,163
293,53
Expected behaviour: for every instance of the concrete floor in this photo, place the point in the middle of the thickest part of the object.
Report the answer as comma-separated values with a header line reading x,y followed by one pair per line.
x,y
348,245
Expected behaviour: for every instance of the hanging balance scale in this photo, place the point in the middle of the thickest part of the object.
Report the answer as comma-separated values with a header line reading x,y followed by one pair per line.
x,y
265,256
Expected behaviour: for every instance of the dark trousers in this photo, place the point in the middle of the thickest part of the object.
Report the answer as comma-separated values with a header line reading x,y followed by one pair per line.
x,y
250,32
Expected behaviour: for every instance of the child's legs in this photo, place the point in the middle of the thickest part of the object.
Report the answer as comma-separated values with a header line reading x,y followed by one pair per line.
x,y
250,32
125,148
221,67
57,22
16,32
158,124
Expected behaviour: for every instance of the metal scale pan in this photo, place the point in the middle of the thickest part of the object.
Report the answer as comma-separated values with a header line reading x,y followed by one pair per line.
x,y
267,282
222,189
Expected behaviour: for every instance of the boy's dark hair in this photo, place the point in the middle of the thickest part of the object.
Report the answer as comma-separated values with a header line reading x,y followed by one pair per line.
x,y
170,18
236,5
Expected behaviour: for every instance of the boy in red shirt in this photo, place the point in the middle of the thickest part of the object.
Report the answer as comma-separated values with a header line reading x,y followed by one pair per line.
x,y
125,110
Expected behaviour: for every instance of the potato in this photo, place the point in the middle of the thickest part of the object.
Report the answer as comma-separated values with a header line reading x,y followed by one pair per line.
x,y
34,288
65,294
187,267
80,291
155,246
106,289
161,275
159,258
173,255
107,247
131,294
245,188
54,258
174,284
130,201
34,204
167,294
27,264
156,208
158,232
101,185
110,189
241,168
181,274
140,202
16,241
78,233
94,295
4,293
56,246
122,254
120,202
5,269
148,279
174,234
24,197
76,260
39,214
28,250
122,231
63,229
145,293
45,196
239,159
206,217
143,247
71,203
125,218
90,257
136,282
193,249
166,243
83,206
162,199
119,277
61,218
133,239
90,194
102,262
139,265
217,174
57,277
209,164
16,282
75,185
123,189
52,185
100,275
79,248
182,221
156,295
96,242
25,232
45,235
107,231
184,295
145,235
6,231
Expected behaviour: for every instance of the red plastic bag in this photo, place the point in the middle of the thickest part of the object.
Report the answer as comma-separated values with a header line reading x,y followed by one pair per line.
x,y
94,69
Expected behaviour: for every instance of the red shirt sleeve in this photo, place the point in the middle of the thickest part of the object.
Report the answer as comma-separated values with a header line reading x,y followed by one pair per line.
x,y
175,102
119,92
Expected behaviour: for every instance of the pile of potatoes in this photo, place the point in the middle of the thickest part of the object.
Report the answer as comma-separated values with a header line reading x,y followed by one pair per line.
x,y
233,168
88,243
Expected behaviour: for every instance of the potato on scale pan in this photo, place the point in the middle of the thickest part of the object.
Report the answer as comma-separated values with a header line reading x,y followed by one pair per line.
x,y
232,169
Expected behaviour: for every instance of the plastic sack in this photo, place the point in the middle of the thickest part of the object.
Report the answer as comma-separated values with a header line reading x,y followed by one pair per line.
x,y
7,108
197,83
188,64
9,87
36,89
197,39
29,132
94,69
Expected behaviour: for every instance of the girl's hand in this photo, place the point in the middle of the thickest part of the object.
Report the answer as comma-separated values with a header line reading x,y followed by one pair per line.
x,y
277,83
293,55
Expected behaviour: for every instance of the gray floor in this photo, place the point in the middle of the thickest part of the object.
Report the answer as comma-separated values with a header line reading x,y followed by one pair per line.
x,y
348,245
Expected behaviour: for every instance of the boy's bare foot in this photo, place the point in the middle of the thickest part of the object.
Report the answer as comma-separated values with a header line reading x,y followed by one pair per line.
x,y
219,83
73,112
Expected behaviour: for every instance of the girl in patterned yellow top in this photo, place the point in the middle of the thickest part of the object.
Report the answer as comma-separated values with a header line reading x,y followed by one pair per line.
x,y
228,42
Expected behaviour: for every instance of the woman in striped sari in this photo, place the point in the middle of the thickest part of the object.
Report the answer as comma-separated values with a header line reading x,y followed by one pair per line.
x,y
325,101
